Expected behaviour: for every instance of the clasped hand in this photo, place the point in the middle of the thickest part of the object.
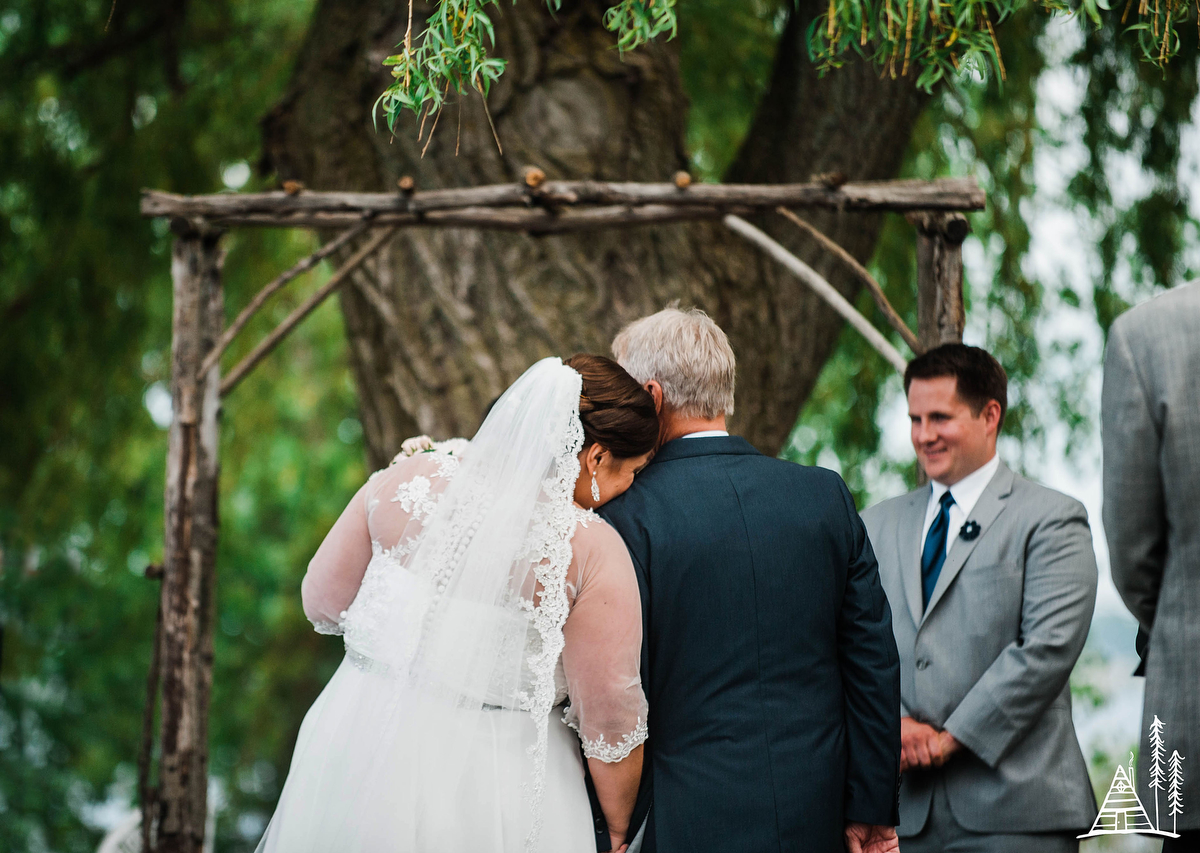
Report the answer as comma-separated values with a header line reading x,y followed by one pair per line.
x,y
864,838
921,745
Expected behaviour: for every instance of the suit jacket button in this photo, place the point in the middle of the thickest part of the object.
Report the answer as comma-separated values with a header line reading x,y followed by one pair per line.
x,y
923,663
600,825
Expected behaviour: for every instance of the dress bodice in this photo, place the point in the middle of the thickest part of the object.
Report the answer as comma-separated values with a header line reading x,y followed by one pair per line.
x,y
379,605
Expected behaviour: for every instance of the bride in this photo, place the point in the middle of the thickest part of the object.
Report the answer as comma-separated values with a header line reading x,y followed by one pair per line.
x,y
492,626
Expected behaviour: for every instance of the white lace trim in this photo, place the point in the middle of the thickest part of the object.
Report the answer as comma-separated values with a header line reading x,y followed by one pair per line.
x,y
324,626
611,753
585,516
550,550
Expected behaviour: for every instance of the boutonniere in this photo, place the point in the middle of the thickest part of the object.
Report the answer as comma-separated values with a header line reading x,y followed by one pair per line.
x,y
970,530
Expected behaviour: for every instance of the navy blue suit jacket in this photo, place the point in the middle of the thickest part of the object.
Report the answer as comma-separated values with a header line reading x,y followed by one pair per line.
x,y
768,657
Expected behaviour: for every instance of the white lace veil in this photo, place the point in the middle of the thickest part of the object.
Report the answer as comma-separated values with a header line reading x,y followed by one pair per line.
x,y
467,632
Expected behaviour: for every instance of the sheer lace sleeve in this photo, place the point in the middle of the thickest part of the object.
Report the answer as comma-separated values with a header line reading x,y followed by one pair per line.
x,y
603,636
336,570
409,487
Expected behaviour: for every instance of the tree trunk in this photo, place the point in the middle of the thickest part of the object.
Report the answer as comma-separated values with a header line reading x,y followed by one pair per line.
x,y
443,322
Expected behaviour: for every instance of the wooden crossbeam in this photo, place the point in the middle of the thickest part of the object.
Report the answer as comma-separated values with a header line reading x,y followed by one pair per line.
x,y
535,220
557,206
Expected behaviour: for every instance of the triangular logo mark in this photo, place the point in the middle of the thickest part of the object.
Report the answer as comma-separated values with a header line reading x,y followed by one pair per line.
x,y
1122,811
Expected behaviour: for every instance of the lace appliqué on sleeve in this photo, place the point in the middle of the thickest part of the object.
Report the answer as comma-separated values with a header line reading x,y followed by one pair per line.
x,y
447,465
610,753
414,497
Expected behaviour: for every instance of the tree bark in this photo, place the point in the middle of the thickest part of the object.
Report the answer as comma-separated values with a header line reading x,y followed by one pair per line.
x,y
447,319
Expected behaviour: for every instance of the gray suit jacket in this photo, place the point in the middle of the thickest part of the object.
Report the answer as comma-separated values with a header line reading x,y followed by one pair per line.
x,y
1151,429
990,658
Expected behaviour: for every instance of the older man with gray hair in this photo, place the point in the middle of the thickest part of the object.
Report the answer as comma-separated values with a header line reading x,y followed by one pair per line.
x,y
768,657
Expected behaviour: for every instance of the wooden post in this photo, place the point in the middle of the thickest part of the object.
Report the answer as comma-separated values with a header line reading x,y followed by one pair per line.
x,y
940,312
191,540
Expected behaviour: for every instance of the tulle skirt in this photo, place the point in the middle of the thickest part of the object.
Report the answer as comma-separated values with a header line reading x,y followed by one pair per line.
x,y
376,769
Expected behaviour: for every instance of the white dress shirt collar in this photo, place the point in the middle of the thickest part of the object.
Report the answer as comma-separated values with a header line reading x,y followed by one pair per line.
x,y
706,433
968,490
966,493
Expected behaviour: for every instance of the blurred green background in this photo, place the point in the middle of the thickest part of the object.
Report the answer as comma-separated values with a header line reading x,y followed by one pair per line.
x,y
1078,130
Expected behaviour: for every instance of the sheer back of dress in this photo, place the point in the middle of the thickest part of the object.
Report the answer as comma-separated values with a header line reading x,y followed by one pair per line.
x,y
464,599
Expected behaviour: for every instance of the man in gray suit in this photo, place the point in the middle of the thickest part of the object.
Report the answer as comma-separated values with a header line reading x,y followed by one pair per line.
x,y
1151,429
992,581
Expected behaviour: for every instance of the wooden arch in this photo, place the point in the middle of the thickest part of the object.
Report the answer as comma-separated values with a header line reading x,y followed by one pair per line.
x,y
174,811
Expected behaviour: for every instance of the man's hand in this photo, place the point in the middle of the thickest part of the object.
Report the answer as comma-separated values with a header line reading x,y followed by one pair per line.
x,y
864,838
949,745
921,745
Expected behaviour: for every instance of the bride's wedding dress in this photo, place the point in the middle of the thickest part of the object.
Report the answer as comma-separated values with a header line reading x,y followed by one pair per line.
x,y
487,620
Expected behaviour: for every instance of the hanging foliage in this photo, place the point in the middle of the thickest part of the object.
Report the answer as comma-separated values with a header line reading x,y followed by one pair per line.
x,y
932,39
452,53
937,39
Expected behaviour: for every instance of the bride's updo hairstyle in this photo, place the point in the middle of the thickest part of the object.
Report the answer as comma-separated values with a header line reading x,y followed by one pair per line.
x,y
616,412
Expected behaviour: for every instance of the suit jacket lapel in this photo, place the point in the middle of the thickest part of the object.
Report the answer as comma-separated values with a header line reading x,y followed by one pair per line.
x,y
991,503
912,519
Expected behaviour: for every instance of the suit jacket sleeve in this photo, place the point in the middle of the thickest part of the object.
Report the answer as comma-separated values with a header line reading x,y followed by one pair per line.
x,y
1134,516
1056,611
870,668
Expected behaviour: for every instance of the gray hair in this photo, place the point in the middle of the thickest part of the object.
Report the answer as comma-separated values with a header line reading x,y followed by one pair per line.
x,y
687,354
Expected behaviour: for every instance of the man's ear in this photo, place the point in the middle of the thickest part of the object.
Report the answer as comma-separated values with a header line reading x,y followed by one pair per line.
x,y
657,393
991,412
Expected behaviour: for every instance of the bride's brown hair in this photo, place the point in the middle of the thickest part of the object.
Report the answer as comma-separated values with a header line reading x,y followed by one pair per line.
x,y
616,412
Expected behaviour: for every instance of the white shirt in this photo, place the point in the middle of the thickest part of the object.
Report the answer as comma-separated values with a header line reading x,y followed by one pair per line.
x,y
966,492
705,433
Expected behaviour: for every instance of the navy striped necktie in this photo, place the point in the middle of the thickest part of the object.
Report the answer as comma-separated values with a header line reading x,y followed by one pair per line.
x,y
933,555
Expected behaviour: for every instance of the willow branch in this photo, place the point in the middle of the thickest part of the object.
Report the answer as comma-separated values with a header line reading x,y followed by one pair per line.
x,y
893,317
292,320
821,287
267,292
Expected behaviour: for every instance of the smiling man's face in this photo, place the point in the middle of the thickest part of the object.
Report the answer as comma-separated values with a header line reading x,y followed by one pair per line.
x,y
951,440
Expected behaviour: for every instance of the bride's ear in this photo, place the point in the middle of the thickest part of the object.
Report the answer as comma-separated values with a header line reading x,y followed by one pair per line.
x,y
592,457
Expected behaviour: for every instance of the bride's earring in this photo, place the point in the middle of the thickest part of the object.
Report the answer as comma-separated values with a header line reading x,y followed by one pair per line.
x,y
595,488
